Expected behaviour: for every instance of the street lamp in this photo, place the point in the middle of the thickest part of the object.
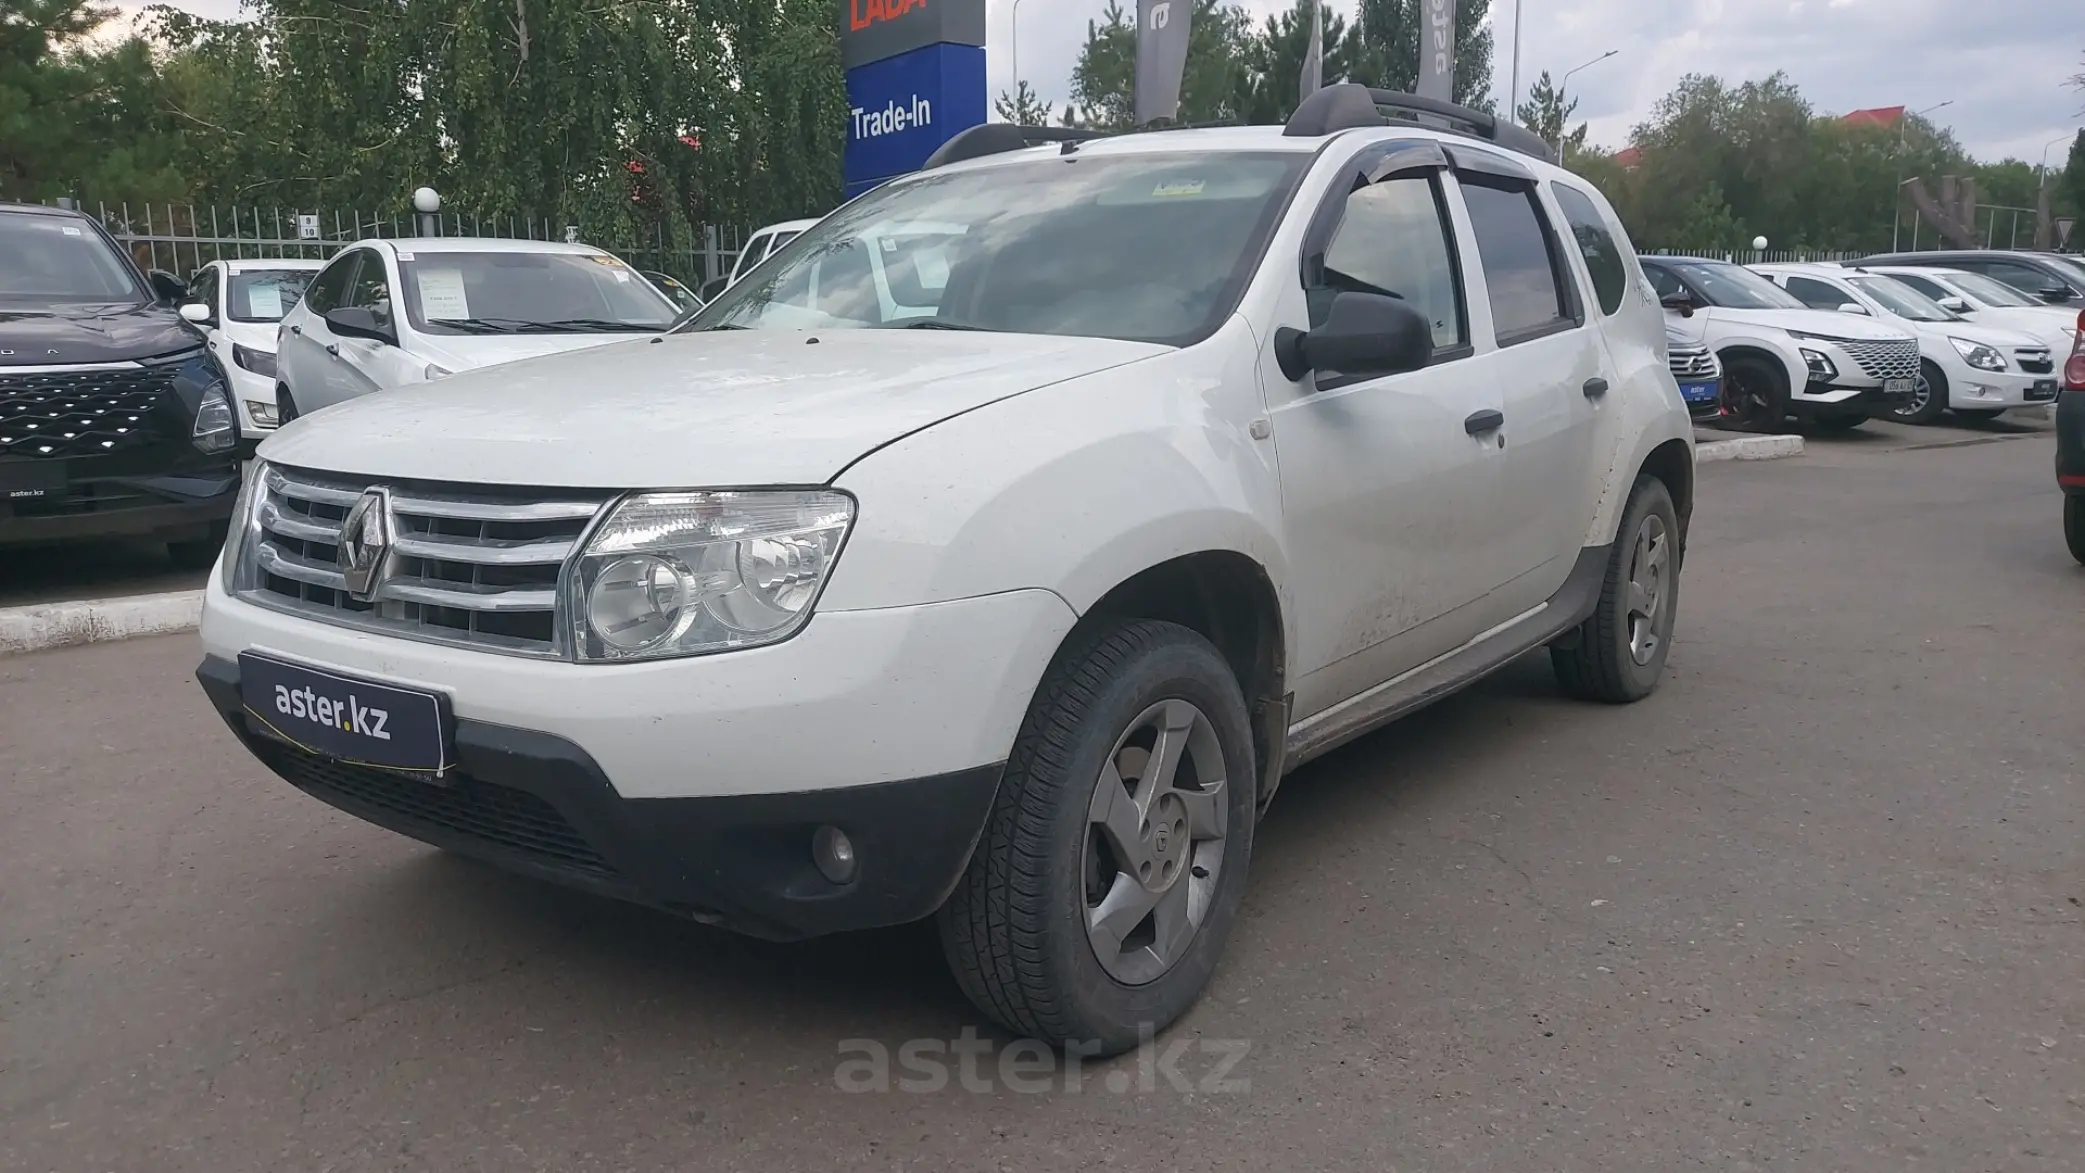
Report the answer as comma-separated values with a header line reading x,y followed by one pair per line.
x,y
1513,88
1564,85
2044,168
1013,46
1904,128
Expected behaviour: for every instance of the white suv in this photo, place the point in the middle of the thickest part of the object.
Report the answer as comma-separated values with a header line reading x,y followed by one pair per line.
x,y
1781,358
1218,449
1979,371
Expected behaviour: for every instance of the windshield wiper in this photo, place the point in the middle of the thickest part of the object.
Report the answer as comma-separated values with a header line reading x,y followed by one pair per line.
x,y
931,324
482,325
600,325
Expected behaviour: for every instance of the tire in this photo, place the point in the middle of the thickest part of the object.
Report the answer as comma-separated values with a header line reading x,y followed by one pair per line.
x,y
200,553
285,406
1016,928
1755,394
1980,414
1613,659
2074,525
1929,400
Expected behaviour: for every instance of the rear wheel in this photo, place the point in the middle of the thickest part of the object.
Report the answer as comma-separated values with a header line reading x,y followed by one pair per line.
x,y
285,406
1755,394
1619,653
1928,396
2074,525
1113,863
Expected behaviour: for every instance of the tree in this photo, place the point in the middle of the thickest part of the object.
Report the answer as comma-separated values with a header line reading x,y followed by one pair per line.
x,y
1546,113
2072,184
1385,48
1214,88
79,110
1022,107
1273,58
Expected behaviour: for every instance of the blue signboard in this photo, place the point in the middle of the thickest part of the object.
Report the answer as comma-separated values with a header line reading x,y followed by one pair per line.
x,y
901,108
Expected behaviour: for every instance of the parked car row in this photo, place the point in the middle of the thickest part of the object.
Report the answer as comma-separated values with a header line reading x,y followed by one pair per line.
x,y
1833,345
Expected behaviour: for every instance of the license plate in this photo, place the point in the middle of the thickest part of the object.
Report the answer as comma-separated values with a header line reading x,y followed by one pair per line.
x,y
1899,386
346,718
30,480
2042,389
1699,392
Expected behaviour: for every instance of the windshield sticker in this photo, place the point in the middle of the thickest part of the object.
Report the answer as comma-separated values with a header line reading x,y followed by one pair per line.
x,y
69,230
442,296
611,262
622,276
405,256
931,264
264,301
1179,187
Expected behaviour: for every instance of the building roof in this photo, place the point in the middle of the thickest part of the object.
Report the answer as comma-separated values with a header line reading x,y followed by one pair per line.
x,y
1884,116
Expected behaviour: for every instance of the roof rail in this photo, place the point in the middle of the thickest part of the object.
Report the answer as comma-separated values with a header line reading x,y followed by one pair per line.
x,y
993,138
1347,105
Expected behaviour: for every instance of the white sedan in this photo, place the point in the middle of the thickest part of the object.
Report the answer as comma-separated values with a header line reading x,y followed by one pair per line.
x,y
387,313
239,306
1991,302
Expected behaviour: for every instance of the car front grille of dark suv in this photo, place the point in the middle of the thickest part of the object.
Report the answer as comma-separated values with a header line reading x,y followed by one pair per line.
x,y
84,411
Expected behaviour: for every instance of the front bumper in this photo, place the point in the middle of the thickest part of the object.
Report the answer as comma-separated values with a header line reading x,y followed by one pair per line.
x,y
1984,389
247,389
695,784
168,492
539,805
1840,398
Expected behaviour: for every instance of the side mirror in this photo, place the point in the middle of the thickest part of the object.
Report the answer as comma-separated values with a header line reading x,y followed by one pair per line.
x,y
167,287
1365,334
197,313
1954,305
1850,307
1680,303
710,289
2057,294
356,322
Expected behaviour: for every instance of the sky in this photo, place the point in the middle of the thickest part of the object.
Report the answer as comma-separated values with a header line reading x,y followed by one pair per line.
x,y
2001,63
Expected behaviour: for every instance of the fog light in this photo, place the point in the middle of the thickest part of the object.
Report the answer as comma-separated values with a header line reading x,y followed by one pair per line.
x,y
833,852
263,413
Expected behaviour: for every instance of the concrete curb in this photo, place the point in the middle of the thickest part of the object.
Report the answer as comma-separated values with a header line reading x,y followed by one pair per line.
x,y
62,625
1749,448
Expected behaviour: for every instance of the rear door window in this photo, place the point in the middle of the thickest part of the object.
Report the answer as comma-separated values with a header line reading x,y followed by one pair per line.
x,y
1527,287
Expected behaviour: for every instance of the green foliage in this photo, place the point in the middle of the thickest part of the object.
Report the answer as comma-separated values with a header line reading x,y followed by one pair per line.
x,y
1547,113
1273,59
1214,89
2072,184
1022,107
76,112
1385,49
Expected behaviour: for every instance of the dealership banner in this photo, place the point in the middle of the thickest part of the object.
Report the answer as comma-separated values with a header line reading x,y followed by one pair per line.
x,y
1162,28
1437,50
915,78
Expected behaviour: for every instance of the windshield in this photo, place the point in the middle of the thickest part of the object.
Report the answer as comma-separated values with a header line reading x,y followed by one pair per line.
x,y
1989,291
265,295
2072,268
1736,287
1902,300
1149,248
59,258
529,293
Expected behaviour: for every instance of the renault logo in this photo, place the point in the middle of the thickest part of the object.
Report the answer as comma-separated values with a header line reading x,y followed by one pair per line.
x,y
365,544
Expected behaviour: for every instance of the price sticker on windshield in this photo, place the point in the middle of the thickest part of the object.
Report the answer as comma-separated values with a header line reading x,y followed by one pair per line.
x,y
1178,187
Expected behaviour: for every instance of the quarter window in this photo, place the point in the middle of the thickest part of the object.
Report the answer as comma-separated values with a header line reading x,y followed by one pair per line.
x,y
1393,239
1528,294
1596,243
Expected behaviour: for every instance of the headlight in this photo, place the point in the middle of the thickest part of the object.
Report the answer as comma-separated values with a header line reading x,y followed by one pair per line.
x,y
242,525
1978,355
216,429
680,574
1821,368
260,362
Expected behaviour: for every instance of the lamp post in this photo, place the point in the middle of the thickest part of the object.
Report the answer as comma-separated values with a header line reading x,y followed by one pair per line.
x,y
1013,47
1513,87
1903,129
1564,86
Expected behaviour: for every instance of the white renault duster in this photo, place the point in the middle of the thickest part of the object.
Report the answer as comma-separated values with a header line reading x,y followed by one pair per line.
x,y
1218,449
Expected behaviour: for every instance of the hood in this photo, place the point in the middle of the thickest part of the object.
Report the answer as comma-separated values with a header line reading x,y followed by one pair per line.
x,y
717,408
2051,326
1829,324
469,352
48,334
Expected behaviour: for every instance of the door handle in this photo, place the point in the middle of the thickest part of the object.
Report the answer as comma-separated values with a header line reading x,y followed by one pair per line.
x,y
333,348
1484,421
1595,387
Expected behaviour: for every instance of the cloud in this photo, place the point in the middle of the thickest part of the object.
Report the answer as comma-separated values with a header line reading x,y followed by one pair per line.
x,y
2003,72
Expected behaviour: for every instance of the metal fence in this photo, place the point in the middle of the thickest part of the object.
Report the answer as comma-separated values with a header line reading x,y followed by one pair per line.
x,y
1747,256
182,238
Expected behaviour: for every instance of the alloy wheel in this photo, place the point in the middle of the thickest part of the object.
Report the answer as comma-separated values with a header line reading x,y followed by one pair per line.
x,y
1921,395
1649,582
1155,836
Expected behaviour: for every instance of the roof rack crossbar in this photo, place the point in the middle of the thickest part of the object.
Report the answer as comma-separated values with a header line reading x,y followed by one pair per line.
x,y
994,138
1347,105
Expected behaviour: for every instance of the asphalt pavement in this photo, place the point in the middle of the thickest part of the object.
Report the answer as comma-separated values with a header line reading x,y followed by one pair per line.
x,y
1815,905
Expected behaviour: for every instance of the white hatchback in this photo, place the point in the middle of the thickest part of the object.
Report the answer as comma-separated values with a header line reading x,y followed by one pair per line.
x,y
239,306
389,313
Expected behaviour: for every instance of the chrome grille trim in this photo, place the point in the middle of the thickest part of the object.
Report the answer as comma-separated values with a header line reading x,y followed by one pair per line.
x,y
1694,363
2034,360
478,568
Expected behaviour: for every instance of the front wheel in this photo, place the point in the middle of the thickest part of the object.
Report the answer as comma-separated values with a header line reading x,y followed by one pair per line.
x,y
1755,394
1619,653
1113,862
2074,525
1928,396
